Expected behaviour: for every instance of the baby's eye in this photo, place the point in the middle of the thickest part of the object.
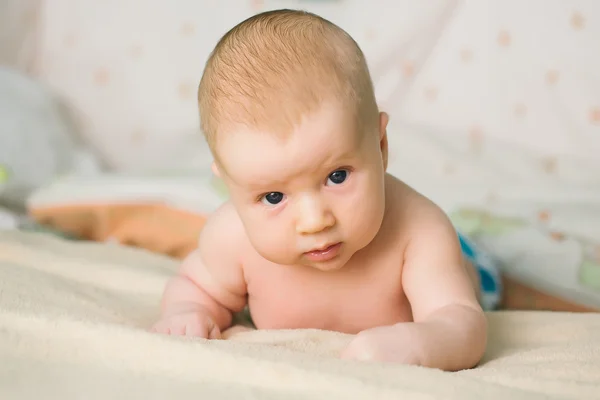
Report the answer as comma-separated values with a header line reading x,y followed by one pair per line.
x,y
272,198
337,177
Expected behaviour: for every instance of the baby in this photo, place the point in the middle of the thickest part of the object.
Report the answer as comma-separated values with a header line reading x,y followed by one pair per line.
x,y
316,234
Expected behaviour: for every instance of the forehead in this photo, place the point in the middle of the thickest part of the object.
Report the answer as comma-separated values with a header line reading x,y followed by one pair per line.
x,y
321,140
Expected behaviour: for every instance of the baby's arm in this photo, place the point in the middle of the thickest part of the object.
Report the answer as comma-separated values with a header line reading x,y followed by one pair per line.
x,y
210,286
450,326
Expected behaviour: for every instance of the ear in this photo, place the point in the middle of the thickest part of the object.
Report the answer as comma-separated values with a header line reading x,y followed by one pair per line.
x,y
215,169
383,140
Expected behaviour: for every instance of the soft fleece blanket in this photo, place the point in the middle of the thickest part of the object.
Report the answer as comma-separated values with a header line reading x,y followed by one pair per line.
x,y
72,326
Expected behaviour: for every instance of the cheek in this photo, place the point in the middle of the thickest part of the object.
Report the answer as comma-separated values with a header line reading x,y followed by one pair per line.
x,y
269,235
364,211
364,205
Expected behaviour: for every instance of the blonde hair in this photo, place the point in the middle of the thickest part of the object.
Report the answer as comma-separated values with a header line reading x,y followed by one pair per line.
x,y
273,68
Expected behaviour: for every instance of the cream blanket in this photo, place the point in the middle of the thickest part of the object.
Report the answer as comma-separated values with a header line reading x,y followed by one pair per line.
x,y
73,319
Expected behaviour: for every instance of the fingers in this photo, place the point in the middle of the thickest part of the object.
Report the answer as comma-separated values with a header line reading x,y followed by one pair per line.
x,y
188,325
214,331
177,329
360,348
198,328
167,328
350,353
160,327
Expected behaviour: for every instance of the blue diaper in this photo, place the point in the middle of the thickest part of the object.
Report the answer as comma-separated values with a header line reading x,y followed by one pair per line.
x,y
491,284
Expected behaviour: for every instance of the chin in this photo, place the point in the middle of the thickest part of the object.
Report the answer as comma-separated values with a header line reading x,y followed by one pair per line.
x,y
328,268
332,265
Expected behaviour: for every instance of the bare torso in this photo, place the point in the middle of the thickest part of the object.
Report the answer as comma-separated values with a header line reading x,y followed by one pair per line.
x,y
365,293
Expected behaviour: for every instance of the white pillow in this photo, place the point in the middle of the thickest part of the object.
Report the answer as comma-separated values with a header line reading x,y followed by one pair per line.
x,y
38,141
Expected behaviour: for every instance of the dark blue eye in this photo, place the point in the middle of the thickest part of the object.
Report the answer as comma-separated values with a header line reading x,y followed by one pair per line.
x,y
272,198
337,177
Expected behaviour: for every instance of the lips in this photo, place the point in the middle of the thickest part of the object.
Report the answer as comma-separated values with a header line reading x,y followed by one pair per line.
x,y
325,253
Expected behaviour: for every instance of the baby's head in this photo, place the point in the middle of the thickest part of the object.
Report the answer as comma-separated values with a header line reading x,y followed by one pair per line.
x,y
288,109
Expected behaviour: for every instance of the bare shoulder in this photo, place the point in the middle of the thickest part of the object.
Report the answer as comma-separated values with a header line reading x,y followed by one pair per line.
x,y
422,225
217,262
223,233
434,271
418,215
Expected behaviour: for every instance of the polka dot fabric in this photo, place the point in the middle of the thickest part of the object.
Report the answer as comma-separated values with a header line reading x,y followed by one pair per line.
x,y
131,69
19,23
521,74
482,93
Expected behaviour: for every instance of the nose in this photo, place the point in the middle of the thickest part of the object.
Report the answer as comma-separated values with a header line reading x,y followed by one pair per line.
x,y
313,216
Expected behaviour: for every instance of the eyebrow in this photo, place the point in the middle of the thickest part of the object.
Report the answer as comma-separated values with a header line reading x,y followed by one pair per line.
x,y
330,165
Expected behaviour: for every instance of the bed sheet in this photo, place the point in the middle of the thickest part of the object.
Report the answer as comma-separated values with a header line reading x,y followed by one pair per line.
x,y
73,319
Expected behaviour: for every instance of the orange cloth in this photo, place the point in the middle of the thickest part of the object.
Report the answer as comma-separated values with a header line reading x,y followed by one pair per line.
x,y
156,227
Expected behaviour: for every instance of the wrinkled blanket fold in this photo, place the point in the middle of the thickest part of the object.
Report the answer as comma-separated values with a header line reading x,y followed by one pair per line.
x,y
73,319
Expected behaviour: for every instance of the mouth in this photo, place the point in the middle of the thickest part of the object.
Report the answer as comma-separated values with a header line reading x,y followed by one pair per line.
x,y
325,253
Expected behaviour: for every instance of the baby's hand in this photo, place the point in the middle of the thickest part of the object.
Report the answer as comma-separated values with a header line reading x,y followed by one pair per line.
x,y
397,344
188,323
